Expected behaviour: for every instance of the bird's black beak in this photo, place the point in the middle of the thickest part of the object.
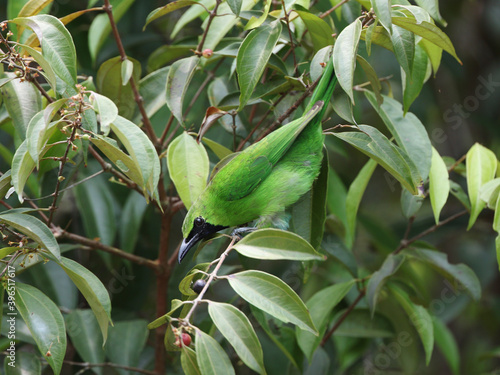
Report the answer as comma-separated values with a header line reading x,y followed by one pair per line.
x,y
197,234
187,244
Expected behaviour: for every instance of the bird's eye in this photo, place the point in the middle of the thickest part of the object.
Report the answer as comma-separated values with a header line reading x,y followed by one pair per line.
x,y
199,221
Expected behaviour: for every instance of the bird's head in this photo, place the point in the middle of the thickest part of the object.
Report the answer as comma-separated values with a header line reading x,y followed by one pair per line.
x,y
195,228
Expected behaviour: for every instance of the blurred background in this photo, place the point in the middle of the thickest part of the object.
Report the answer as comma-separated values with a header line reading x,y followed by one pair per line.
x,y
459,106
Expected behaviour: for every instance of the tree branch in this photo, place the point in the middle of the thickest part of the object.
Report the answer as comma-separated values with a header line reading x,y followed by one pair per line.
x,y
154,265
407,242
137,96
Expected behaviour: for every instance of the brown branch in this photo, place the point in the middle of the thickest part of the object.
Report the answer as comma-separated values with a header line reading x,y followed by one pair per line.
x,y
407,242
457,163
343,317
329,11
62,164
242,143
88,365
60,233
287,114
137,96
292,46
212,15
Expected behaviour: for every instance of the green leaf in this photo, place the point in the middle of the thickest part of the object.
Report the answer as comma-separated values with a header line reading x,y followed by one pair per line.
x,y
382,10
377,35
219,150
123,161
101,28
432,6
427,31
142,152
48,70
278,335
22,166
153,89
106,108
319,30
460,275
197,272
22,101
276,244
212,359
45,323
344,56
253,55
439,184
459,193
433,52
131,220
57,48
93,290
7,251
188,167
361,323
236,328
447,344
272,295
320,306
372,77
166,54
83,331
178,79
189,362
37,135
255,22
413,85
170,7
126,342
420,319
408,131
34,229
410,204
379,278
373,143
96,206
26,363
353,199
480,168
235,6
5,183
309,212
403,43
191,14
110,84
489,192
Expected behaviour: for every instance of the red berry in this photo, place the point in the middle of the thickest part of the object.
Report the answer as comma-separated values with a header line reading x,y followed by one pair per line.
x,y
186,340
207,53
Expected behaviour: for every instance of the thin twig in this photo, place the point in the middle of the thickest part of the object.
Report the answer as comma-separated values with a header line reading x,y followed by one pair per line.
x,y
212,15
89,365
68,187
137,96
343,317
329,11
405,243
62,164
60,233
457,163
211,277
292,46
270,109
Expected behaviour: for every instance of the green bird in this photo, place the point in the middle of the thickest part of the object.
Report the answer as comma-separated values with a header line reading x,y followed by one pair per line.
x,y
266,177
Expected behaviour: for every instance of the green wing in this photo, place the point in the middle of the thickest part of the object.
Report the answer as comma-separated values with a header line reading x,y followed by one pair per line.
x,y
245,172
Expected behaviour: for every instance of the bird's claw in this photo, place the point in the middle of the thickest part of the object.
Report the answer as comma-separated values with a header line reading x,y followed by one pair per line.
x,y
237,232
